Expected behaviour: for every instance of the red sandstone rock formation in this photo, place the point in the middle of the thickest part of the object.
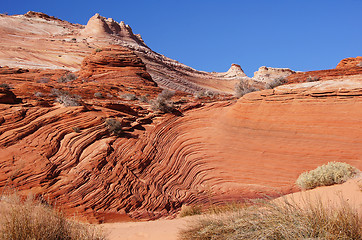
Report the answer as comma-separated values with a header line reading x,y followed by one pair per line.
x,y
350,63
67,44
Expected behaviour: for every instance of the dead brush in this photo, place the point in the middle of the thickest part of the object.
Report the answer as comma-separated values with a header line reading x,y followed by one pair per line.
x,y
286,220
31,220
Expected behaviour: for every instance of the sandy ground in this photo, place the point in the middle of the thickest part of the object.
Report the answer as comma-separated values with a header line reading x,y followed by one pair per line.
x,y
351,192
151,230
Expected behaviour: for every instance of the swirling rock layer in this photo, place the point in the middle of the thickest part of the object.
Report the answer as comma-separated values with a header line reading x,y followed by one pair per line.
x,y
220,152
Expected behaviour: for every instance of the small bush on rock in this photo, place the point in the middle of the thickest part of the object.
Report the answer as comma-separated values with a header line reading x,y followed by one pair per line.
x,y
114,126
276,82
129,96
244,87
5,86
65,98
163,102
67,78
326,175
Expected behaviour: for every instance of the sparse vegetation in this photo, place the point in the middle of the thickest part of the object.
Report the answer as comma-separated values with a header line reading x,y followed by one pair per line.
x,y
129,96
312,79
98,95
285,220
163,102
205,93
114,126
244,87
143,99
325,175
5,86
43,80
190,210
76,129
65,98
98,50
67,78
276,82
31,220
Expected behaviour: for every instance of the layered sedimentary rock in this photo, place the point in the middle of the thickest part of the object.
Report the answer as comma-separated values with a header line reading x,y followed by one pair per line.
x,y
350,63
217,153
24,38
268,74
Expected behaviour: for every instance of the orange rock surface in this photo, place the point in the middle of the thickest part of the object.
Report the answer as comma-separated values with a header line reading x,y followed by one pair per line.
x,y
208,153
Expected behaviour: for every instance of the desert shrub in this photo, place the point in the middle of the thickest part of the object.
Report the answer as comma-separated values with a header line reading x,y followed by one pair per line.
x,y
285,220
114,126
98,50
39,94
98,95
276,82
325,175
143,99
244,87
5,86
190,210
163,102
31,220
65,98
312,79
76,129
67,78
43,80
205,93
129,96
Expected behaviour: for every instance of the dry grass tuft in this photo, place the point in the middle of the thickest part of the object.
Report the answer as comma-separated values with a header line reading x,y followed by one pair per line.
x,y
278,221
326,175
190,210
31,220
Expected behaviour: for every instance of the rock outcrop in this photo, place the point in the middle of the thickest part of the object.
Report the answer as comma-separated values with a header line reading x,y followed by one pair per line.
x,y
67,44
7,96
268,74
350,63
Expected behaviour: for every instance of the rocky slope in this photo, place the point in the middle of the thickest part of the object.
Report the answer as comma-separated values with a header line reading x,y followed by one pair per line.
x,y
216,153
24,38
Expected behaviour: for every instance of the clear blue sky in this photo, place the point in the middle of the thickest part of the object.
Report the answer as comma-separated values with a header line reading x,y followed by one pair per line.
x,y
209,35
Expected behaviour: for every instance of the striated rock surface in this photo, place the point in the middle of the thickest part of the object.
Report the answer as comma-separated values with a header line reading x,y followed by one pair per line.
x,y
350,63
268,74
214,154
38,41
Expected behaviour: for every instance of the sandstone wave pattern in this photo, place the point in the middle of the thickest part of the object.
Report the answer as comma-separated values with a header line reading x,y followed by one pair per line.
x,y
219,152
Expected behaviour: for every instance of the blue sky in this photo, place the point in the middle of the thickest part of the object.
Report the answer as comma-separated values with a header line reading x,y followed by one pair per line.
x,y
210,35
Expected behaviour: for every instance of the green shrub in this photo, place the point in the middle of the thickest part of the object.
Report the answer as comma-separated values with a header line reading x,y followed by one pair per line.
x,y
325,175
31,220
285,220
